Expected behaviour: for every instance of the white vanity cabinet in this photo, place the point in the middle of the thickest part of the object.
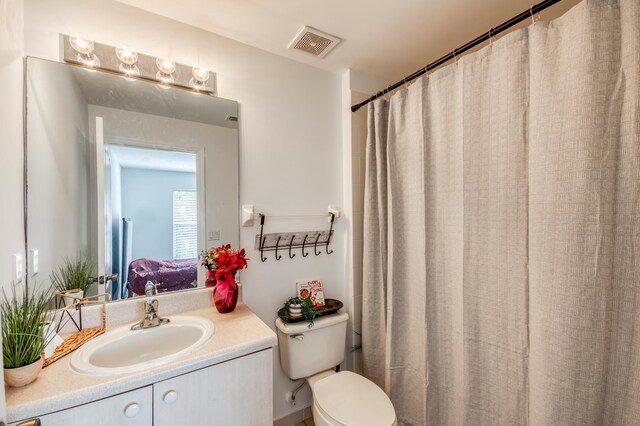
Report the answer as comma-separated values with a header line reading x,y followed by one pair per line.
x,y
237,392
133,408
234,392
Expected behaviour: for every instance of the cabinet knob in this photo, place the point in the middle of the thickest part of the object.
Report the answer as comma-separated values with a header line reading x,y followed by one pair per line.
x,y
170,397
132,410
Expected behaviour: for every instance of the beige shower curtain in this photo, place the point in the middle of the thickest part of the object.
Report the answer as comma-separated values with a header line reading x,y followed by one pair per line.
x,y
502,231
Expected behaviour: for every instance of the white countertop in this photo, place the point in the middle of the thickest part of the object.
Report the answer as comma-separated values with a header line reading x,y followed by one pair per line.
x,y
58,387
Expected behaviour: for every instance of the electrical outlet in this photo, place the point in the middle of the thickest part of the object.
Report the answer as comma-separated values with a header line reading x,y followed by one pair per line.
x,y
214,235
17,267
34,261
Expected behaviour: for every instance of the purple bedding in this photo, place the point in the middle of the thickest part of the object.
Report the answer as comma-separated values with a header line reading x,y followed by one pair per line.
x,y
167,275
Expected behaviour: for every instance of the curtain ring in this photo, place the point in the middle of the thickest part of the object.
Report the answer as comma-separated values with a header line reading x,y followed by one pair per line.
x,y
427,71
533,17
490,37
533,22
406,86
455,60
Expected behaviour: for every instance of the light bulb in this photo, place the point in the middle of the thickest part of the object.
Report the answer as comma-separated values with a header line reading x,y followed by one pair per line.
x,y
129,69
164,77
81,45
198,85
84,47
200,74
90,59
126,55
165,66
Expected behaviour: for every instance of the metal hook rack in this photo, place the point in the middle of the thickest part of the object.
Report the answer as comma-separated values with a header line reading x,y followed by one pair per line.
x,y
302,240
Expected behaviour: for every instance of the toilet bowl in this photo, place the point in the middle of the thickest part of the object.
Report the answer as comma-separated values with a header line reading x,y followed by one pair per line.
x,y
346,398
339,398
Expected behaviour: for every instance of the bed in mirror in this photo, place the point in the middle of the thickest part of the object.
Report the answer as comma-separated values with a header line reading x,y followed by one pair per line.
x,y
128,178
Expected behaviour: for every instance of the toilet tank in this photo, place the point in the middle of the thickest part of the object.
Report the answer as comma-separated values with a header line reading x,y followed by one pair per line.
x,y
306,351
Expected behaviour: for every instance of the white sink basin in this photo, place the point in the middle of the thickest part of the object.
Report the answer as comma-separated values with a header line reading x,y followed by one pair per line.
x,y
124,351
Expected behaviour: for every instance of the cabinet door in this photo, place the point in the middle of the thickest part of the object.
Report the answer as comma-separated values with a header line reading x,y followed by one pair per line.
x,y
236,392
127,409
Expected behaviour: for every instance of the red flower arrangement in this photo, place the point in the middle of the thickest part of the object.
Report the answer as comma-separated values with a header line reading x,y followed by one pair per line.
x,y
223,261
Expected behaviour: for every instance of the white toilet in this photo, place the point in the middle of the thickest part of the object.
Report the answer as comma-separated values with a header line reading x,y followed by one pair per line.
x,y
339,399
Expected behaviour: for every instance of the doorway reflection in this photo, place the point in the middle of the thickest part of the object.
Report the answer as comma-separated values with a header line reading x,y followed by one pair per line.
x,y
151,210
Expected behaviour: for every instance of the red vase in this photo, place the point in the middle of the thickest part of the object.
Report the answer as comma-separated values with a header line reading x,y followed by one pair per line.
x,y
210,278
225,295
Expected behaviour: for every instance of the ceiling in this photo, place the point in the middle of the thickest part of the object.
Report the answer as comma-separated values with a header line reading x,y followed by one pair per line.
x,y
384,38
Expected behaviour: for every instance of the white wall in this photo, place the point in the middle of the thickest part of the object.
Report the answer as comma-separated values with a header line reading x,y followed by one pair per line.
x,y
11,223
290,137
147,198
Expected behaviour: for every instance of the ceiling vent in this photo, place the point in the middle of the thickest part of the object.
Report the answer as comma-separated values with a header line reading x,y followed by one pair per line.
x,y
315,42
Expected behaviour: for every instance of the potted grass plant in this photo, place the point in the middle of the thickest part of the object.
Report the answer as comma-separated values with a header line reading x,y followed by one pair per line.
x,y
72,279
23,340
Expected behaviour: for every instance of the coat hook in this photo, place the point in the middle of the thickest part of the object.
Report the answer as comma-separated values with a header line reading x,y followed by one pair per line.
x,y
264,259
333,217
277,243
327,246
315,246
303,243
291,256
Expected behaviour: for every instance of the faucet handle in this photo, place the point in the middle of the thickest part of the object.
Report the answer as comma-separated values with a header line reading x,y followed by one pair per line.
x,y
150,289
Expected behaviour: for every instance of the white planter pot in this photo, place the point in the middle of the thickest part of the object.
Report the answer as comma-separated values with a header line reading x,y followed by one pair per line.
x,y
69,297
22,376
295,311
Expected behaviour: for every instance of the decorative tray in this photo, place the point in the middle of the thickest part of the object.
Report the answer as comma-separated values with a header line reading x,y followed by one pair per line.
x,y
331,306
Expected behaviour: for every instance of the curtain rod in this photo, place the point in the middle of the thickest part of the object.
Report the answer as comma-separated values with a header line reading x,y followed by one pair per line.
x,y
531,12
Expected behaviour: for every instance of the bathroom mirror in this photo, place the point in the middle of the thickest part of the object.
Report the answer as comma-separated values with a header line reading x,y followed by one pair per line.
x,y
131,176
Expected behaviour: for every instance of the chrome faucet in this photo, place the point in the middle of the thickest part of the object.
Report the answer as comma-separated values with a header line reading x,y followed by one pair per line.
x,y
151,318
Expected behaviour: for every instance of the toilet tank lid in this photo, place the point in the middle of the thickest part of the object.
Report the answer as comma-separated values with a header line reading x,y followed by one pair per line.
x,y
302,327
351,399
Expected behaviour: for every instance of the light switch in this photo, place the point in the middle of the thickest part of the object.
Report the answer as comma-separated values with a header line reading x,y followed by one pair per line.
x,y
17,267
34,261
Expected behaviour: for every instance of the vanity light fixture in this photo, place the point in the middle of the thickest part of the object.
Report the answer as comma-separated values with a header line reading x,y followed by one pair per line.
x,y
84,48
128,59
133,65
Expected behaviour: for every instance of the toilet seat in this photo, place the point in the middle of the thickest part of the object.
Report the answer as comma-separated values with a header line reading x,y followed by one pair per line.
x,y
350,399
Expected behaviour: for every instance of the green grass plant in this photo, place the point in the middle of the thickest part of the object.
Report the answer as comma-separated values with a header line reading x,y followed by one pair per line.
x,y
78,274
22,321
